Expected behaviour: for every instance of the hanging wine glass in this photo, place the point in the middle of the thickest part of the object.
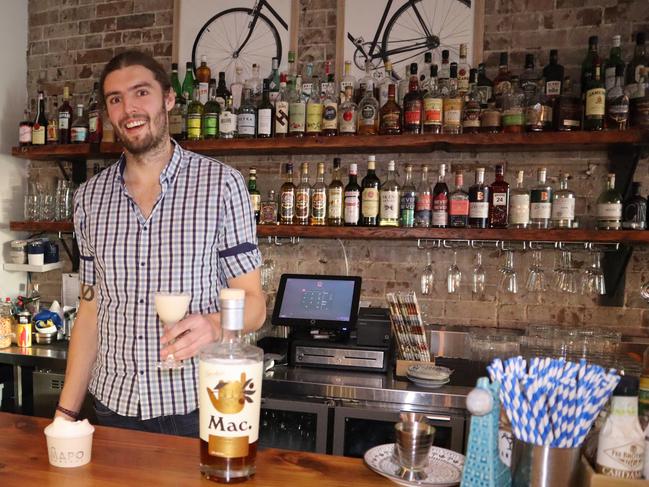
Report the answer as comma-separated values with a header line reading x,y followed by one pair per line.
x,y
427,279
453,276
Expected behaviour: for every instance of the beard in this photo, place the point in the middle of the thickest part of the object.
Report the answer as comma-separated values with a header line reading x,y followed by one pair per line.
x,y
158,133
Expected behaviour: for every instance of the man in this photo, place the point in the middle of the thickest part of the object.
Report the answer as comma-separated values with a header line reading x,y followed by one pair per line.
x,y
162,219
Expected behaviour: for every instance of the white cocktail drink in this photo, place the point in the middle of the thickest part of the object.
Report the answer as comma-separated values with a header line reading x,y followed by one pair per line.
x,y
171,308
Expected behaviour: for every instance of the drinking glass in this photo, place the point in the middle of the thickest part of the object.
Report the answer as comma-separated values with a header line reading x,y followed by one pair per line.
x,y
171,308
453,276
535,282
479,276
427,279
31,207
566,274
508,280
592,279
267,272
46,207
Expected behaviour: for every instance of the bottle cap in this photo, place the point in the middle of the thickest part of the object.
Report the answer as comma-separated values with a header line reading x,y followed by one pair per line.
x,y
174,66
428,57
554,52
336,161
627,387
640,39
413,68
445,54
453,70
433,70
592,40
232,303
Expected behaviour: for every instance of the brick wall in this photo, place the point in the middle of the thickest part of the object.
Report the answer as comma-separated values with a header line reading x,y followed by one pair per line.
x,y
515,25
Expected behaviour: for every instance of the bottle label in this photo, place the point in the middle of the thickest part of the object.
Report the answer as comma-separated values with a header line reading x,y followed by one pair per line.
x,y
64,120
440,210
255,201
348,121
287,205
609,77
433,111
478,209
458,207
352,210
221,101
423,202
540,211
330,116
519,211
471,117
229,405
264,121
268,213
52,130
453,111
553,88
563,209
77,134
637,74
193,125
335,203
281,117
620,457
306,90
175,123
412,115
502,87
202,92
485,92
93,121
595,102
491,118
38,135
227,122
297,117
245,123
210,124
25,134
319,204
389,205
368,115
463,79
609,211
499,199
370,202
302,204
408,208
512,117
314,117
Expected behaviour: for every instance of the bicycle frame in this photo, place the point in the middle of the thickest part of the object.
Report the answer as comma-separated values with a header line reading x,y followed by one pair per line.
x,y
359,45
256,9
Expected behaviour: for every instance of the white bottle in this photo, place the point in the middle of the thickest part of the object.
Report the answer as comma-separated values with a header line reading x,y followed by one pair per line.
x,y
621,444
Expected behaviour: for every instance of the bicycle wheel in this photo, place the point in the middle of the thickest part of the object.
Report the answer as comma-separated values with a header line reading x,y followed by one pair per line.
x,y
405,40
224,33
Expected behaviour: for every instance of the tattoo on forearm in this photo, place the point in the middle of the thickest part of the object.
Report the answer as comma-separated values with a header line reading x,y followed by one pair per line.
x,y
87,292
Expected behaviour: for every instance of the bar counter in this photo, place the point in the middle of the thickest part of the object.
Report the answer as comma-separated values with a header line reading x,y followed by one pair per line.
x,y
124,457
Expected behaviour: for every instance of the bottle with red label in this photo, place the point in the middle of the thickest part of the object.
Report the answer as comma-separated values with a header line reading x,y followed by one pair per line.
x,y
433,105
413,105
440,200
499,200
479,198
458,203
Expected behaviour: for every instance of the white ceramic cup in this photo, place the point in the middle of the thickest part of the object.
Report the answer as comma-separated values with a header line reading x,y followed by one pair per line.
x,y
70,446
36,259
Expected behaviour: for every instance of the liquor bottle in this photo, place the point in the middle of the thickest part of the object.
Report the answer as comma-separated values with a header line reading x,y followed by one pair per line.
x,y
274,80
255,195
39,127
188,82
390,195
268,210
503,80
563,204
463,72
553,75
412,104
445,67
368,118
485,86
453,106
385,83
479,197
634,214
368,82
228,121
287,198
185,107
25,129
588,65
203,75
352,209
617,103
440,203
318,210
491,119
303,197
265,113
423,201
458,203
314,109
614,60
211,112
175,81
639,61
390,115
529,78
254,84
335,197
541,201
236,87
472,110
52,129
609,206
403,85
282,109
247,116
433,105
499,200
595,104
538,111
195,116
348,114
348,81
292,70
407,201
109,131
329,110
177,127
230,381
65,117
222,92
307,82
425,70
79,127
370,195
567,109
95,128
519,207
328,85
296,111
513,101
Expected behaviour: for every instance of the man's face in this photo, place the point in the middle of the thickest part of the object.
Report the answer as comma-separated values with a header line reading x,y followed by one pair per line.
x,y
137,108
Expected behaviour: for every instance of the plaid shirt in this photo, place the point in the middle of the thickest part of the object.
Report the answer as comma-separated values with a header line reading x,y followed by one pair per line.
x,y
200,234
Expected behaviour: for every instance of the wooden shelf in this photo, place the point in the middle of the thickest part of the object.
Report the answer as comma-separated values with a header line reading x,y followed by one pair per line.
x,y
32,268
41,227
545,141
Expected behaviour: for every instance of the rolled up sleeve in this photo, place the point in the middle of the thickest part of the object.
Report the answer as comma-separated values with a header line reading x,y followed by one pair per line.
x,y
86,254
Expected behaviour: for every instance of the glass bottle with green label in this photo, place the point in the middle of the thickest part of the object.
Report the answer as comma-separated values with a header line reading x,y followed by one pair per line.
x,y
595,108
296,110
314,109
319,199
195,111
211,112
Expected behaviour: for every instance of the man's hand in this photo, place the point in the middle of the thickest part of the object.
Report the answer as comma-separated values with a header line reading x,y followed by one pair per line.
x,y
191,335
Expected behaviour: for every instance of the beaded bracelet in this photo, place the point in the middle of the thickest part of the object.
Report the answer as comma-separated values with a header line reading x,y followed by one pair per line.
x,y
72,414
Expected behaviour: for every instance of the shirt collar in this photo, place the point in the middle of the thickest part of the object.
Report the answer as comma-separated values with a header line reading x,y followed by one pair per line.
x,y
168,173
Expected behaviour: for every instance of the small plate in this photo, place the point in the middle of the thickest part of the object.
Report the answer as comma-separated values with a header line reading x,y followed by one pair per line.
x,y
428,384
429,372
444,467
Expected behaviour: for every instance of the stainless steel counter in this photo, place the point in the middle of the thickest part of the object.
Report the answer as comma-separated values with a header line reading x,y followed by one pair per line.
x,y
52,356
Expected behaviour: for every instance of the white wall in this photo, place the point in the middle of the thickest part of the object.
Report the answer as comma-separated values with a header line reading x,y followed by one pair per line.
x,y
13,93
